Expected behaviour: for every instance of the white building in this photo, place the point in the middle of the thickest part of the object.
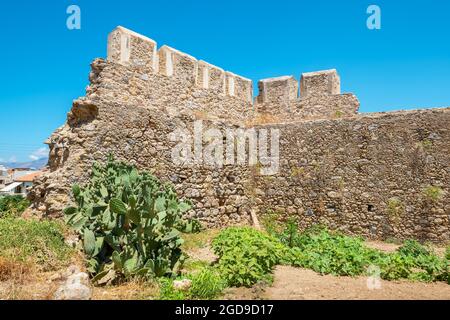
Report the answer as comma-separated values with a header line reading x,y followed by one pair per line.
x,y
22,182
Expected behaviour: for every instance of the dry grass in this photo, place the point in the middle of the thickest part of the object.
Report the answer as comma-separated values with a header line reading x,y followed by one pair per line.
x,y
32,256
131,290
14,270
26,281
22,281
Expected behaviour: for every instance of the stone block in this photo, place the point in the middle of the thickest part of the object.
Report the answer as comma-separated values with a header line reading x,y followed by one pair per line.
x,y
176,64
277,90
320,83
210,77
132,49
239,87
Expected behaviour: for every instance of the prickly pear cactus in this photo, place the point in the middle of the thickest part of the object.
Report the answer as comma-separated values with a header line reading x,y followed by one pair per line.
x,y
129,223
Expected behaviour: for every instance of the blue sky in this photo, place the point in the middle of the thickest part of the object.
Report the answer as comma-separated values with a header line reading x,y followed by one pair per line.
x,y
44,66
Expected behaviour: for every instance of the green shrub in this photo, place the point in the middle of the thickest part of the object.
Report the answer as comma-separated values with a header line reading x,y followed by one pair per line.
x,y
416,262
41,242
246,255
128,221
207,284
330,252
289,234
414,249
12,206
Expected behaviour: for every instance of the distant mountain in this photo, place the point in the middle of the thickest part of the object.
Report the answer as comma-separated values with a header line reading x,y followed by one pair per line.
x,y
35,164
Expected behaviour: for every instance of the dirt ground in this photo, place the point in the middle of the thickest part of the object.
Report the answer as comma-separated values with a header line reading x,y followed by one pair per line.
x,y
301,284
383,246
31,287
294,283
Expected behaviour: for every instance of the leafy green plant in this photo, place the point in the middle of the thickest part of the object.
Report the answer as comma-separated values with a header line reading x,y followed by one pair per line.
x,y
447,263
246,255
12,206
128,223
330,252
413,249
408,265
421,262
338,114
41,242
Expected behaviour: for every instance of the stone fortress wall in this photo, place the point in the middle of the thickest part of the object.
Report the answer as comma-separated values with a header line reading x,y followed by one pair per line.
x,y
382,175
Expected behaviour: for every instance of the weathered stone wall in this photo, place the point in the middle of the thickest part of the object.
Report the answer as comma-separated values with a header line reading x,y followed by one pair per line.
x,y
370,175
364,174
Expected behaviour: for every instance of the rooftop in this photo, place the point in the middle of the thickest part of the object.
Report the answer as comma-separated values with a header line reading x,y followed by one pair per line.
x,y
28,177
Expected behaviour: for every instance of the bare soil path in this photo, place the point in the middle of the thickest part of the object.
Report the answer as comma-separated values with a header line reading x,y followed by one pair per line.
x,y
301,284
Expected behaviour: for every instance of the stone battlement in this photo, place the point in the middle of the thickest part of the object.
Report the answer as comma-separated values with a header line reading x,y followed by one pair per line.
x,y
132,49
129,48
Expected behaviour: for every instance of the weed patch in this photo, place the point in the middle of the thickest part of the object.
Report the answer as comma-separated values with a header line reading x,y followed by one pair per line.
x,y
39,242
207,284
12,206
333,253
